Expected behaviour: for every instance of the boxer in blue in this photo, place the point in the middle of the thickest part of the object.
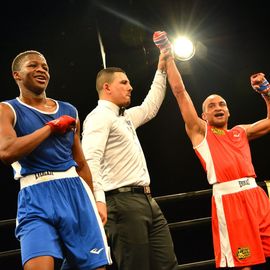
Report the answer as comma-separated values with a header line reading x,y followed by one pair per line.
x,y
40,137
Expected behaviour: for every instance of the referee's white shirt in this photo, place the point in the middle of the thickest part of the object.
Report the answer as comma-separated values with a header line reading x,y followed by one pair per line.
x,y
110,143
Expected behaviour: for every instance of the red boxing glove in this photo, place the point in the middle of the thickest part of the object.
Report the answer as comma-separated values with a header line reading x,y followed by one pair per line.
x,y
62,124
161,40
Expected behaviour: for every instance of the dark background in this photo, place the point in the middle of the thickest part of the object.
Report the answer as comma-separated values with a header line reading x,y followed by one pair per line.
x,y
233,37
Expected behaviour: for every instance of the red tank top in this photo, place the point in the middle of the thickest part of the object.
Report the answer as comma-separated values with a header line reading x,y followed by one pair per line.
x,y
225,155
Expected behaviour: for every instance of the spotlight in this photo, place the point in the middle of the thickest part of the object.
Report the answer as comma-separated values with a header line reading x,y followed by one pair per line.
x,y
183,48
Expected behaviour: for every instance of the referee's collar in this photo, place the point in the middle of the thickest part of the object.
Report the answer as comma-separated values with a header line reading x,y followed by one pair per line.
x,y
108,104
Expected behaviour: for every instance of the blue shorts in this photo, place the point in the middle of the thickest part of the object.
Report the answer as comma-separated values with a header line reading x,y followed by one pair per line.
x,y
59,218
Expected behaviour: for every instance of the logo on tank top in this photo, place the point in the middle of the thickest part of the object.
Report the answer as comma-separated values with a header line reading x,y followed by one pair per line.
x,y
218,131
235,135
243,253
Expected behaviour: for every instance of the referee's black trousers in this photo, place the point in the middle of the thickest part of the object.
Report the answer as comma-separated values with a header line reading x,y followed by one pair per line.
x,y
138,233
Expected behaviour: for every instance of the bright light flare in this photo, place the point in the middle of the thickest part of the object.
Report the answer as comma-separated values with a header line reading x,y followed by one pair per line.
x,y
183,48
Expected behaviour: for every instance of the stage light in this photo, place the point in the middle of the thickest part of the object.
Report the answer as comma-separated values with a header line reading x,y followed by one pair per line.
x,y
183,48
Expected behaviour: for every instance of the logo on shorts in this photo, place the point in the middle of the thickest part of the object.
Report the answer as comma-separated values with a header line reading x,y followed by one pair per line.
x,y
96,250
41,174
243,253
244,183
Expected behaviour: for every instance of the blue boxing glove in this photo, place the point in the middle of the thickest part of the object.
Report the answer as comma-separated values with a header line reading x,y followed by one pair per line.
x,y
260,84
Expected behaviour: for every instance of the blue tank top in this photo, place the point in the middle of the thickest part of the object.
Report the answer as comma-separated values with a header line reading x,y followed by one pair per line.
x,y
53,154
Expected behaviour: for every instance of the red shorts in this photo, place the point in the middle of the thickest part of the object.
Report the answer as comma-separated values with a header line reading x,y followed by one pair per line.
x,y
240,223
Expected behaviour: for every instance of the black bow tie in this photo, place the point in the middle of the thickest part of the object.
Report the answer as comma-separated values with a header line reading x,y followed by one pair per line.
x,y
121,111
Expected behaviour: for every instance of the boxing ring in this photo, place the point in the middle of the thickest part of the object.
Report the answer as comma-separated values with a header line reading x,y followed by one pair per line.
x,y
11,254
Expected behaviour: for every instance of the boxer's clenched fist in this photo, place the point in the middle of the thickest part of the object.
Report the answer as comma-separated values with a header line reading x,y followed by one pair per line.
x,y
62,124
161,40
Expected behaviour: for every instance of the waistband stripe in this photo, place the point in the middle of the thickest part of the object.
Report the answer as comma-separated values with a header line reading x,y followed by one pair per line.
x,y
40,177
234,186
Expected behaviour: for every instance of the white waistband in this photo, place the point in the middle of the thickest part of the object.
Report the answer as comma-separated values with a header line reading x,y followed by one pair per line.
x,y
234,186
33,179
